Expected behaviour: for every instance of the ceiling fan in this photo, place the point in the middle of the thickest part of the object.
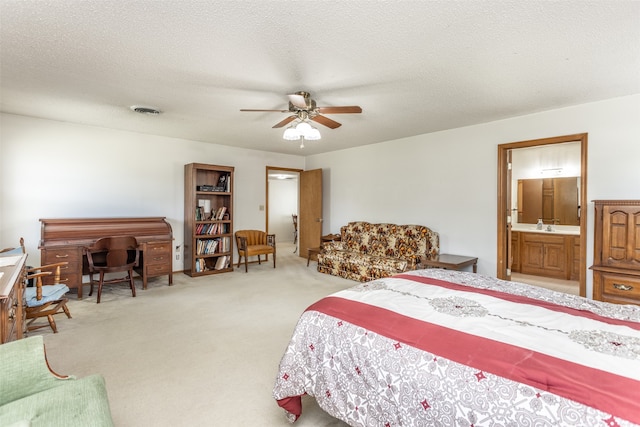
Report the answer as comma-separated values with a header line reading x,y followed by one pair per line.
x,y
304,108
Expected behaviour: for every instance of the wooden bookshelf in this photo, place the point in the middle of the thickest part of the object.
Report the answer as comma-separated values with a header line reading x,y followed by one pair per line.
x,y
208,219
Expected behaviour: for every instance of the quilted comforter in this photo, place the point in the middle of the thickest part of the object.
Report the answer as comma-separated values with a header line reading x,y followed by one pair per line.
x,y
446,348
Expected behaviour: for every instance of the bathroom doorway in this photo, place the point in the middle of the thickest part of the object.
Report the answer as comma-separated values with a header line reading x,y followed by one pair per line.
x,y
508,208
282,204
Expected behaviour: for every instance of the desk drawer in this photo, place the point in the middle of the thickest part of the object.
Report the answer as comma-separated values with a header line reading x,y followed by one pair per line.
x,y
157,270
158,253
9,322
70,274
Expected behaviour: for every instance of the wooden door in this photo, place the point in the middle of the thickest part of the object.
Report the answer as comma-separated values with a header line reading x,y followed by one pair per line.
x,y
310,218
510,213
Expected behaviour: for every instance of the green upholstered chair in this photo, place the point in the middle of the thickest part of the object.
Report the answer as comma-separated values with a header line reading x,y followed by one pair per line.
x,y
33,395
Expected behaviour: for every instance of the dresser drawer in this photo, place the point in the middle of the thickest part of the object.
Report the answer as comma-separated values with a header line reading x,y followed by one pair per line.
x,y
621,285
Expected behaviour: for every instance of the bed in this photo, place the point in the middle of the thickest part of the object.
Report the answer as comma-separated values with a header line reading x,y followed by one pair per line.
x,y
446,348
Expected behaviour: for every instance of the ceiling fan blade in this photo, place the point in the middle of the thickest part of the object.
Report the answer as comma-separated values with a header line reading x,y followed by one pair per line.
x,y
267,111
340,110
285,121
326,121
298,100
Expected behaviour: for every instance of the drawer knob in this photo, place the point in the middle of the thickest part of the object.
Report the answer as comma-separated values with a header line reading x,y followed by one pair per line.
x,y
62,256
622,287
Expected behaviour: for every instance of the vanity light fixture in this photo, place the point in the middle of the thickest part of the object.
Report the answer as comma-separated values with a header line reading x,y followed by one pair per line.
x,y
551,171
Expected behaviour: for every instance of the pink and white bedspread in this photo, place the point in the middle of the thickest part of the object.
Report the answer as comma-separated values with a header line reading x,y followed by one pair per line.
x,y
445,348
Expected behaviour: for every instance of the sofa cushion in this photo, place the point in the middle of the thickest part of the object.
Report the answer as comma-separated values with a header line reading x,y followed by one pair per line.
x,y
71,403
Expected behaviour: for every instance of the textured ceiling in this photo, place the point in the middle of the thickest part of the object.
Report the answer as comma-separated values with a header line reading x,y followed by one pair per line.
x,y
413,66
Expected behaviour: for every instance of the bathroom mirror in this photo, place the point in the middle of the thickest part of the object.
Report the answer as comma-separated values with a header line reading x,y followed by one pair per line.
x,y
555,200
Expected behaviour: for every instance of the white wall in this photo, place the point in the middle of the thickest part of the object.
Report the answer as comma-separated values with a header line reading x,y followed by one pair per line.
x,y
283,202
51,169
445,180
448,180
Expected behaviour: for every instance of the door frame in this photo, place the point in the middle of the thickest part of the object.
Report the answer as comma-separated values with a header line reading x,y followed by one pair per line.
x,y
268,170
504,209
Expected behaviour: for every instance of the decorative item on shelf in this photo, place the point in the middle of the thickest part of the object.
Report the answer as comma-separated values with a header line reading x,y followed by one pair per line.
x,y
223,183
206,206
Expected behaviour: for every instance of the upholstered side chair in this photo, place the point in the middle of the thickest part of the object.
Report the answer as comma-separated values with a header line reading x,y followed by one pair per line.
x,y
255,243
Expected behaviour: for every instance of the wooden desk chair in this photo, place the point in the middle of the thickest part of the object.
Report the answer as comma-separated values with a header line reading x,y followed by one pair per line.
x,y
113,255
295,228
255,242
45,300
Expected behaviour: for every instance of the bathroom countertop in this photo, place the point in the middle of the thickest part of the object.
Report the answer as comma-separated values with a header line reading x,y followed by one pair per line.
x,y
558,229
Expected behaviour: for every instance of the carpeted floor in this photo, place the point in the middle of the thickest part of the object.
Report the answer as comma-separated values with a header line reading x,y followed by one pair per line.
x,y
203,352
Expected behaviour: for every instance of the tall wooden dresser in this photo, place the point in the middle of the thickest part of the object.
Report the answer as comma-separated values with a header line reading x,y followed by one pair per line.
x,y
616,253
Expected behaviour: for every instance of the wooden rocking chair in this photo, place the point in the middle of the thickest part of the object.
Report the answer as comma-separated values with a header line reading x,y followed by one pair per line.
x,y
42,300
45,300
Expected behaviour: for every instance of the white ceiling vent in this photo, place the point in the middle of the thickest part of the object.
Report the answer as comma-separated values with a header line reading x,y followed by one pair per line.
x,y
145,110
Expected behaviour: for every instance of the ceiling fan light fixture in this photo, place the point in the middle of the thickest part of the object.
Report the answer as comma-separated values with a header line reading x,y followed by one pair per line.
x,y
302,130
291,134
313,135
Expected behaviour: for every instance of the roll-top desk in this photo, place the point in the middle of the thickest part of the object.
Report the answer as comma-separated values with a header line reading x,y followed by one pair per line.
x,y
12,318
65,240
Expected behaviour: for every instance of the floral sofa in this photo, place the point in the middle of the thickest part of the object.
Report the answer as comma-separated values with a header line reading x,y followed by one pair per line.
x,y
370,251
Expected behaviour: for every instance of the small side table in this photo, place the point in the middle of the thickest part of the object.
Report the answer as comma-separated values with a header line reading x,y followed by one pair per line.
x,y
311,251
452,262
325,239
331,238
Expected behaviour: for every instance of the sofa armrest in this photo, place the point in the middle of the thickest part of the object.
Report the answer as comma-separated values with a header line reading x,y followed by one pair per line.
x,y
332,246
25,370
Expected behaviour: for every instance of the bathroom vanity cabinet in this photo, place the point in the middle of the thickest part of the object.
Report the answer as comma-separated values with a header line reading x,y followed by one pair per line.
x,y
546,254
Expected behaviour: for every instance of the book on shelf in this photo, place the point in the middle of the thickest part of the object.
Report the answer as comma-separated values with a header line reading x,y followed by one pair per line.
x,y
207,246
199,213
220,212
222,262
